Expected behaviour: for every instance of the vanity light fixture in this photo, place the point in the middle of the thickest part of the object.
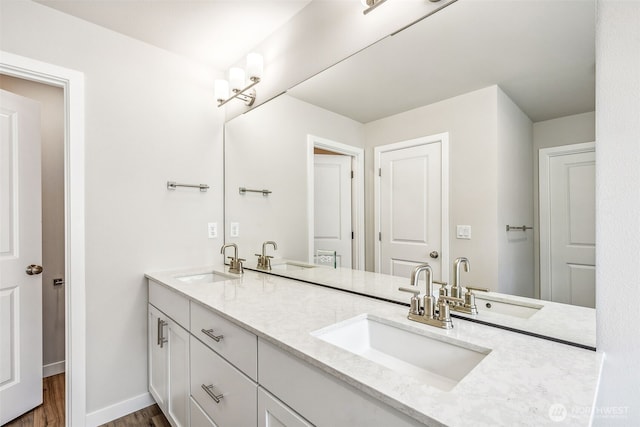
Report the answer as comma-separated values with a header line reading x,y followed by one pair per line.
x,y
241,88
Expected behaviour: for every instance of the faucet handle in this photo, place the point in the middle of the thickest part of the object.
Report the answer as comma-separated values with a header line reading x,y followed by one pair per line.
x,y
414,308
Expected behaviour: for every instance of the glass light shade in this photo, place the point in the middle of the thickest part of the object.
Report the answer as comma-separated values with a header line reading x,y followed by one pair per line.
x,y
237,79
221,89
255,65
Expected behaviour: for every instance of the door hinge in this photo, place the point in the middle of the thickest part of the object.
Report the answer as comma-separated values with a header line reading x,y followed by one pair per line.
x,y
379,171
380,236
352,174
352,235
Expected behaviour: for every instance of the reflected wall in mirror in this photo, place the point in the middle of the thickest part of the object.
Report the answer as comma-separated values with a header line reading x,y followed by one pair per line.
x,y
501,83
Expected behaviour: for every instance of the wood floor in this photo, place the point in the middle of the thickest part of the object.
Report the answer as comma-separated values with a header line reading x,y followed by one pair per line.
x,y
51,412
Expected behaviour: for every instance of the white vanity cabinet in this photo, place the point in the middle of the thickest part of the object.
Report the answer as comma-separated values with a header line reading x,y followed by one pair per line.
x,y
215,373
273,413
319,397
169,366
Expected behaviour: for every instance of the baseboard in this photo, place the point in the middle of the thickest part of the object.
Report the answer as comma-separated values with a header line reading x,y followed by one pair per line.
x,y
52,369
117,410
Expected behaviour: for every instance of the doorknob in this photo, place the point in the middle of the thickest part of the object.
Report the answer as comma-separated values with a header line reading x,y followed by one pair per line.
x,y
34,269
434,254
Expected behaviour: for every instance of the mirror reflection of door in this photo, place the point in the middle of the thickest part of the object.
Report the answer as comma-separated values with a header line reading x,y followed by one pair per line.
x,y
332,205
567,224
410,207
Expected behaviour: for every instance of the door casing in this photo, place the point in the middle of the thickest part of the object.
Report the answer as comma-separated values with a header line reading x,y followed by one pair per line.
x,y
72,83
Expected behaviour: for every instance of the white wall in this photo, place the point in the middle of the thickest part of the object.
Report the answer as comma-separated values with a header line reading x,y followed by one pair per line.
x,y
268,149
150,117
471,121
515,199
618,208
51,100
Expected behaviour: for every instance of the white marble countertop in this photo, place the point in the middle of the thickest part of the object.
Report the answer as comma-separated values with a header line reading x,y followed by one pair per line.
x,y
565,322
516,384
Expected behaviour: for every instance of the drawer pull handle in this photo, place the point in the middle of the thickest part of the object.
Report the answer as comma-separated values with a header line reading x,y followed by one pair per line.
x,y
209,333
208,389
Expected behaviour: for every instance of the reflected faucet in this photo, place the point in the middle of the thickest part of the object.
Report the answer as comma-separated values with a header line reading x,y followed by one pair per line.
x,y
456,286
264,260
235,263
468,304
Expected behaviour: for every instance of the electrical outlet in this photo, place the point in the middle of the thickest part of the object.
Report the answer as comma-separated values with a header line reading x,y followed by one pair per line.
x,y
212,230
234,230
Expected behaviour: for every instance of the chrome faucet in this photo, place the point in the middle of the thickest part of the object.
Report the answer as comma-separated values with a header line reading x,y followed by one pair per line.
x,y
264,260
427,314
235,263
468,304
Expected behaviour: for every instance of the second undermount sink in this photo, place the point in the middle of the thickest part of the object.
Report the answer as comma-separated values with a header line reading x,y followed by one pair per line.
x,y
430,358
523,310
209,277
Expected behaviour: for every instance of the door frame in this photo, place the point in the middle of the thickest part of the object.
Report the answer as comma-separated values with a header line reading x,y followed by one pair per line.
x,y
72,83
544,194
357,194
443,139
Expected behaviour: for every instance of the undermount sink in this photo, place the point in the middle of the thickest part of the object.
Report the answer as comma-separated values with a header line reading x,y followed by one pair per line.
x,y
210,277
289,266
523,310
434,360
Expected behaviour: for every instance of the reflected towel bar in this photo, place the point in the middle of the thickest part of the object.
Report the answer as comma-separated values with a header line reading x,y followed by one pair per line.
x,y
173,185
244,190
521,228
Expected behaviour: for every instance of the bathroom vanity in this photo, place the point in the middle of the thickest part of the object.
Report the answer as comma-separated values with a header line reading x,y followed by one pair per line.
x,y
260,349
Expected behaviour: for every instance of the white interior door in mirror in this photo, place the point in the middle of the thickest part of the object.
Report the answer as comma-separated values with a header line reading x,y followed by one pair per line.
x,y
332,206
567,224
410,207
20,246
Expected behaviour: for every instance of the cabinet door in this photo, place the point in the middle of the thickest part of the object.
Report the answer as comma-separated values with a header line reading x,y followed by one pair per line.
x,y
178,373
158,375
273,413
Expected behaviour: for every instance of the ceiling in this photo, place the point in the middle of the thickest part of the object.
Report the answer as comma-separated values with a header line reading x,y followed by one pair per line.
x,y
218,33
541,53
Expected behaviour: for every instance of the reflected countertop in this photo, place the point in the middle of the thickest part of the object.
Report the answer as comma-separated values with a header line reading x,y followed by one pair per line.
x,y
562,322
517,383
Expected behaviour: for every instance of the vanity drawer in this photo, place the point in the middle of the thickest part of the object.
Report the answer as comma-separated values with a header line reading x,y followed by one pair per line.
x,y
170,303
235,344
237,395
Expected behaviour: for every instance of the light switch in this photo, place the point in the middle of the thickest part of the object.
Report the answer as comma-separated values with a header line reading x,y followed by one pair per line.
x,y
212,230
234,230
463,232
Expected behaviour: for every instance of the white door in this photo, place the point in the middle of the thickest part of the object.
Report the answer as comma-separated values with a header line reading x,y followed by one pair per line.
x,y
567,224
411,207
332,206
20,246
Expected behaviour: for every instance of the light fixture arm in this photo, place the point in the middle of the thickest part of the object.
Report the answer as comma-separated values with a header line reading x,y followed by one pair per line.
x,y
248,98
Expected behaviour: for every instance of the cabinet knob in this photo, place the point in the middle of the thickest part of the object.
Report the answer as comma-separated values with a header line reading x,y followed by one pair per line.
x,y
209,390
210,334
